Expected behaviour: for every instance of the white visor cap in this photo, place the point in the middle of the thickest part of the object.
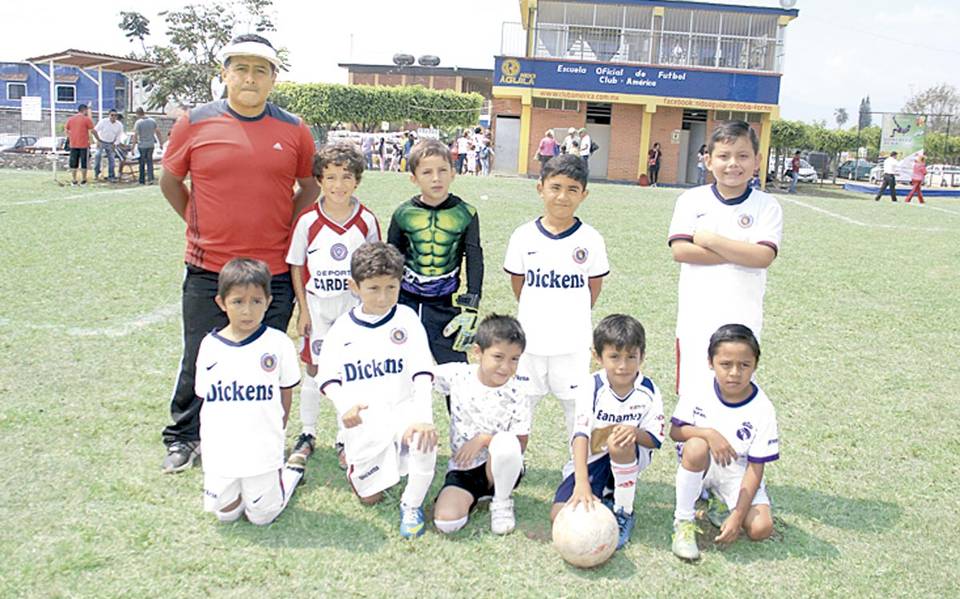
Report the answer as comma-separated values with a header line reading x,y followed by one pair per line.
x,y
258,49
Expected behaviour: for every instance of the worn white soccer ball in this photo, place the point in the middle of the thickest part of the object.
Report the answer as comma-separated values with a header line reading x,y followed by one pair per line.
x,y
585,538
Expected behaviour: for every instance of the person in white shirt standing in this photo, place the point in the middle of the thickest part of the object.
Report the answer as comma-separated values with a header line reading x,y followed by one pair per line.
x,y
109,132
889,177
585,143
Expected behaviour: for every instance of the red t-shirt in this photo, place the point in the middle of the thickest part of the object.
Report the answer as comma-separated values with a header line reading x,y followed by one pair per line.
x,y
242,172
78,129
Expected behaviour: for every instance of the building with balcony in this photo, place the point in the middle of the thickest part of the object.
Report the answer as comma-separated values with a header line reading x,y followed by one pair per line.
x,y
635,72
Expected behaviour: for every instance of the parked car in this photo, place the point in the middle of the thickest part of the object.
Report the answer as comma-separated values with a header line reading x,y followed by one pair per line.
x,y
16,143
46,144
903,176
858,170
807,173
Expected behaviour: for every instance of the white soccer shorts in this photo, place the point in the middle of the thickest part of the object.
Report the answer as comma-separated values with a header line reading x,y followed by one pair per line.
x,y
383,470
263,495
553,374
323,312
725,481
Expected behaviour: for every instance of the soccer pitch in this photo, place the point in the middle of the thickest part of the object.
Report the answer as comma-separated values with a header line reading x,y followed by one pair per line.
x,y
859,357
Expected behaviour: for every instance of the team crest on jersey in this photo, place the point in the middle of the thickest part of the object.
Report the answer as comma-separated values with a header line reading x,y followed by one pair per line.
x,y
580,255
745,221
745,431
268,362
316,345
338,251
398,335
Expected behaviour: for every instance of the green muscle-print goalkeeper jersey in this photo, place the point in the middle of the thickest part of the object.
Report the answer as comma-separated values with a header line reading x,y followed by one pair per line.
x,y
434,241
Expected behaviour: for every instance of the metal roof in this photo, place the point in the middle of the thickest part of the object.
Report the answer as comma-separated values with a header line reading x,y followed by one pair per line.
x,y
86,60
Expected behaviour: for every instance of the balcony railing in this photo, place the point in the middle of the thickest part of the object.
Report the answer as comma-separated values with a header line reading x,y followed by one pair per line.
x,y
642,46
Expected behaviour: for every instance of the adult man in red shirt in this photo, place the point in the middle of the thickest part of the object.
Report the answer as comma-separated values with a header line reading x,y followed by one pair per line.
x,y
79,127
243,155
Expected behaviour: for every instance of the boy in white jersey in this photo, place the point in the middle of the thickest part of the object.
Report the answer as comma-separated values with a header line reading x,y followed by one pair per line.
x,y
725,236
619,424
375,365
489,427
321,245
556,265
245,378
726,431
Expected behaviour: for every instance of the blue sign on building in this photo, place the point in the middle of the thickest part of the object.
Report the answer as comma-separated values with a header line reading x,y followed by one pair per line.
x,y
637,79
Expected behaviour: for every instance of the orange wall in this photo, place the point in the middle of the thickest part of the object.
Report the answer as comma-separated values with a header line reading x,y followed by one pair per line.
x,y
542,119
626,121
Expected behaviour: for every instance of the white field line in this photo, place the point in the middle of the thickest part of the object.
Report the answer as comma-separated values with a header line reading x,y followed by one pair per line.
x,y
78,196
161,314
860,223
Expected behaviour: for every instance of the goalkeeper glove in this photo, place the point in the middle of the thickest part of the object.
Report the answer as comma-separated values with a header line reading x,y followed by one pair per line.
x,y
465,322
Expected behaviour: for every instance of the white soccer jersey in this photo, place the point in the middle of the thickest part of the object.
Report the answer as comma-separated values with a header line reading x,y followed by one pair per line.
x,y
241,419
711,296
555,300
326,247
750,427
375,363
599,409
477,409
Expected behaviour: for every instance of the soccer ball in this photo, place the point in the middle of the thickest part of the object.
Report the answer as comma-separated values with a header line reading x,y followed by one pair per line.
x,y
585,538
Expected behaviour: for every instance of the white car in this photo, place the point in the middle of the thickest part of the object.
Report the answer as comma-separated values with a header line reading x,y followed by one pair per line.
x,y
808,174
876,175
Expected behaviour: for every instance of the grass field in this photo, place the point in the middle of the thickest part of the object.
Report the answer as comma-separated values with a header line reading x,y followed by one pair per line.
x,y
860,358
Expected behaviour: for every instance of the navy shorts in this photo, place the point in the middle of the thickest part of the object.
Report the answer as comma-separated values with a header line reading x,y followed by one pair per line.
x,y
601,481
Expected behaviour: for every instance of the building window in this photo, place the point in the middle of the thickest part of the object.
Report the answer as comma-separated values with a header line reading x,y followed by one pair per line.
x,y
120,98
67,93
733,115
15,91
556,104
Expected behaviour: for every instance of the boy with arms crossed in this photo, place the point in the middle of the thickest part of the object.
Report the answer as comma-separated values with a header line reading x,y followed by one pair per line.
x,y
556,265
619,424
726,431
321,246
246,372
725,236
489,427
436,232
375,366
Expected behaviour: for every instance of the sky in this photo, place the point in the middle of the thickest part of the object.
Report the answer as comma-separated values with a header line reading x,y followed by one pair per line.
x,y
837,51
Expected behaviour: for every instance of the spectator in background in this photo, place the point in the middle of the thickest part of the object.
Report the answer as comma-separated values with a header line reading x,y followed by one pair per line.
x,y
145,137
586,147
463,147
889,177
570,141
653,163
79,127
919,172
486,152
547,148
702,165
109,132
366,146
794,171
382,153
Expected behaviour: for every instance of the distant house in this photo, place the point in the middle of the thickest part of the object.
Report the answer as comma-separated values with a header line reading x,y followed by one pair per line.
x,y
71,87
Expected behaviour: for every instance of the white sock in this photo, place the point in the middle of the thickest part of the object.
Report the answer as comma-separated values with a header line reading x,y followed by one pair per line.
x,y
309,404
449,526
688,490
625,485
420,475
506,462
290,478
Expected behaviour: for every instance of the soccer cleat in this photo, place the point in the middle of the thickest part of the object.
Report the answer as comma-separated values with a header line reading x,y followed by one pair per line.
x,y
625,523
180,456
717,511
685,540
502,520
301,451
411,521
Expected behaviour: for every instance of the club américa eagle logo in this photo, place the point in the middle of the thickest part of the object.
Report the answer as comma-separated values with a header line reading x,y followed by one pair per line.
x,y
580,255
268,362
745,431
745,221
398,335
315,345
338,251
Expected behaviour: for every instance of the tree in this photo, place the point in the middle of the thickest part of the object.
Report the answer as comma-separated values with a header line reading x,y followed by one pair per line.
x,y
786,135
136,26
840,115
195,34
866,118
939,99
